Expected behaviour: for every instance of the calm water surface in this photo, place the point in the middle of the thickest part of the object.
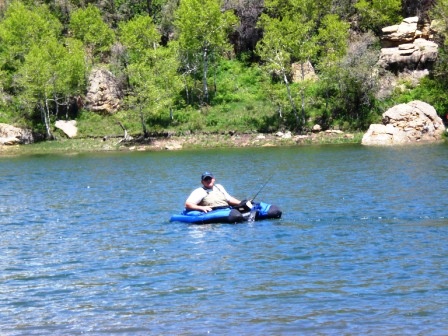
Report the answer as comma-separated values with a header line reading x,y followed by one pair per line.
x,y
87,248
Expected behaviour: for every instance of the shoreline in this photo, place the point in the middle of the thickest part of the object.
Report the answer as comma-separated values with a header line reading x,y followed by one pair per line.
x,y
176,142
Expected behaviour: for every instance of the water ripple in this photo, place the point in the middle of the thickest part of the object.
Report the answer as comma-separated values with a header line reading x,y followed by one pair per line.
x,y
87,247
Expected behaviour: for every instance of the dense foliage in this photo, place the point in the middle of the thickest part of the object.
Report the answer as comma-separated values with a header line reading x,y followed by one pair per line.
x,y
206,65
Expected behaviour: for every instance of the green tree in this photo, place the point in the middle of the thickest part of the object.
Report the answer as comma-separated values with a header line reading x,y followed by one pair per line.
x,y
332,39
20,29
73,68
88,26
375,14
138,36
289,28
155,85
50,76
202,30
152,69
333,42
274,50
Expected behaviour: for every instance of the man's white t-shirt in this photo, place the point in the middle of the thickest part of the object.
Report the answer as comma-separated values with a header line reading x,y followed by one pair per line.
x,y
198,194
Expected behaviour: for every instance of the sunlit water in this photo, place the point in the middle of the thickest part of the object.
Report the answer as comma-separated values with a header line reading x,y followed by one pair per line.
x,y
86,245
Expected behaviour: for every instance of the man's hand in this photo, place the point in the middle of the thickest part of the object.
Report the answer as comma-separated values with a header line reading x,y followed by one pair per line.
x,y
206,208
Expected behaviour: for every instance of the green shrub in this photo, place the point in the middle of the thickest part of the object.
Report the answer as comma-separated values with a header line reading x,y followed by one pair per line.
x,y
430,91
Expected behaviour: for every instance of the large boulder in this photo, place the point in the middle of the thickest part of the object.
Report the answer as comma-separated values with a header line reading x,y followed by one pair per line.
x,y
104,94
408,123
11,135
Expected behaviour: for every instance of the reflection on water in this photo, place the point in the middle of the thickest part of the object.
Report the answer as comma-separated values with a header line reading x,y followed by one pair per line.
x,y
87,247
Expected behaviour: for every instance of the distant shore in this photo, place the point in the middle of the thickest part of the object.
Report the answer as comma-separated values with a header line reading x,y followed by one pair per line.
x,y
174,142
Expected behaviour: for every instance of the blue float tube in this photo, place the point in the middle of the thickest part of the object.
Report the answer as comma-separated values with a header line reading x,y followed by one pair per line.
x,y
228,214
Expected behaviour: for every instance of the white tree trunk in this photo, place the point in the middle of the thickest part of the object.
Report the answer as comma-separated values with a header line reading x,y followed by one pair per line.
x,y
204,74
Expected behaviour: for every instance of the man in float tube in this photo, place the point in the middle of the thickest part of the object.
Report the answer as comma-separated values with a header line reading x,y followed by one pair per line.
x,y
209,196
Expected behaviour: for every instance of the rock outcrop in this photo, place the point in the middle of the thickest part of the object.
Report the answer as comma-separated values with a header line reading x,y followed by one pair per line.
x,y
68,127
11,135
408,46
408,123
308,72
104,94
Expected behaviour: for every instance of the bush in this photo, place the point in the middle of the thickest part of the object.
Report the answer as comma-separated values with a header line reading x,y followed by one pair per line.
x,y
430,91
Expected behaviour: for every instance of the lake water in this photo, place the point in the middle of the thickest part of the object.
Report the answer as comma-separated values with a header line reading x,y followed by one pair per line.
x,y
86,245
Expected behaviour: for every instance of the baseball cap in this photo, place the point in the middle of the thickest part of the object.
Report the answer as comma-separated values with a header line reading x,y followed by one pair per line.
x,y
206,174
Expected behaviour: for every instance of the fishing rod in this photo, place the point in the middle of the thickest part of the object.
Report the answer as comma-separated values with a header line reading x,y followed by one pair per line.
x,y
262,187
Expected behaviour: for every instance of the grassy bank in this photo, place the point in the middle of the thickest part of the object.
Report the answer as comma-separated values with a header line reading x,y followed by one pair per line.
x,y
194,141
